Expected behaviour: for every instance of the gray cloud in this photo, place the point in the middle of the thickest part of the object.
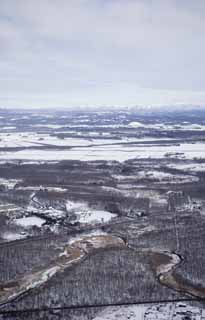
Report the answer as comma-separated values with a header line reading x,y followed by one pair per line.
x,y
100,52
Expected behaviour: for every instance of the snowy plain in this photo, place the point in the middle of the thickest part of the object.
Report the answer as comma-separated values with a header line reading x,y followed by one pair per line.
x,y
111,152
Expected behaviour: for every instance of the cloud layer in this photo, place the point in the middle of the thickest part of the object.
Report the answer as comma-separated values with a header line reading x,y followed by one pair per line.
x,y
101,52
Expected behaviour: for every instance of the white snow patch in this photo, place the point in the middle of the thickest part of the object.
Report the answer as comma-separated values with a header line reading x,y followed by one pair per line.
x,y
49,273
157,175
166,126
136,124
42,278
30,221
52,126
9,183
8,128
167,177
192,167
55,213
49,212
37,188
94,216
11,236
85,214
122,313
90,234
71,205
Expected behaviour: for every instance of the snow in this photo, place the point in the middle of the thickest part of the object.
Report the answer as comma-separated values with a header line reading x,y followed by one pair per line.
x,y
132,312
177,311
8,208
81,244
85,214
110,152
49,273
167,177
71,206
149,312
160,176
28,139
136,124
56,189
42,277
29,221
155,174
164,268
192,167
50,212
8,128
53,213
96,216
166,126
11,236
37,188
9,183
121,178
82,237
51,126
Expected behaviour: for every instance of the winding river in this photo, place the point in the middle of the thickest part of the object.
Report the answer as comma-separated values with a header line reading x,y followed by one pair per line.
x,y
163,262
73,252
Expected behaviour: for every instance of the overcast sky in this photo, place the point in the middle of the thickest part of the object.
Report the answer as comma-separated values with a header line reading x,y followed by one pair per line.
x,y
61,53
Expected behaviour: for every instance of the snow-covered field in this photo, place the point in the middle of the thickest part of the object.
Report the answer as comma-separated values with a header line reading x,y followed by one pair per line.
x,y
29,221
47,212
111,152
166,126
93,148
92,216
191,167
28,139
85,214
167,177
37,188
9,183
133,312
80,211
169,311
